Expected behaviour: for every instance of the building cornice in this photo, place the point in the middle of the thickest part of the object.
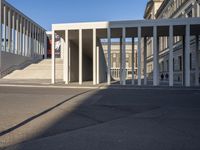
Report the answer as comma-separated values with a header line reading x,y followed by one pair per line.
x,y
148,8
163,5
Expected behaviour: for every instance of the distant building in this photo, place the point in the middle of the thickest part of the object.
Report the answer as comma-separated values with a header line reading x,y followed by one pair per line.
x,y
116,59
165,9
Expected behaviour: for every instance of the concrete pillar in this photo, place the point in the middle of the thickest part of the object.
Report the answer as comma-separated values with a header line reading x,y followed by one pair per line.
x,y
24,39
139,56
45,45
30,39
66,57
35,41
158,65
17,34
197,61
124,56
63,52
145,60
121,61
53,58
69,62
187,56
21,36
183,64
0,37
80,57
198,9
133,61
5,27
39,42
98,59
109,56
27,38
155,57
9,30
13,32
171,43
94,57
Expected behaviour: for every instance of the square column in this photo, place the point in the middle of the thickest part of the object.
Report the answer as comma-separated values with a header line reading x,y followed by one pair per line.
x,y
155,57
69,61
17,34
27,38
24,37
31,40
109,56
80,57
35,42
5,27
53,58
21,36
94,57
133,61
171,43
63,55
187,56
98,58
66,57
124,56
197,61
39,42
197,10
45,45
145,60
139,56
13,32
0,38
121,62
9,30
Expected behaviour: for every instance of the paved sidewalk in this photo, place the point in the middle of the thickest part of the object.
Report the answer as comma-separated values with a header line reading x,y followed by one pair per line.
x,y
146,119
20,106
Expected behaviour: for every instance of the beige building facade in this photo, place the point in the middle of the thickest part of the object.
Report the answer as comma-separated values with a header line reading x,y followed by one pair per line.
x,y
165,9
116,48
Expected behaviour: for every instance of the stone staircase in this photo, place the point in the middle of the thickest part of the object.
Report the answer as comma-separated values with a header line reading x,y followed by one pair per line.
x,y
40,70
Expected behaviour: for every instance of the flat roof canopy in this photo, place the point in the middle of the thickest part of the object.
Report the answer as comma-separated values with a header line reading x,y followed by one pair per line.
x,y
162,25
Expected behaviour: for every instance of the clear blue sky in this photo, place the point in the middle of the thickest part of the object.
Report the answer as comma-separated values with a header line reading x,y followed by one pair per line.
x,y
47,12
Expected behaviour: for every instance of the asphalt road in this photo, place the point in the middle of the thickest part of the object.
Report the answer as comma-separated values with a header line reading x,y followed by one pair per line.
x,y
110,119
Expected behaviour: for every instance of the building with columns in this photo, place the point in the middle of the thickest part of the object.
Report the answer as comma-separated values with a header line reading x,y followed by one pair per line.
x,y
22,41
165,9
162,49
84,59
116,59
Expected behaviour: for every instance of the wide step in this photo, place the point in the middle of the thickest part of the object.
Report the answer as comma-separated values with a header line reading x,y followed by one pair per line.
x,y
41,70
